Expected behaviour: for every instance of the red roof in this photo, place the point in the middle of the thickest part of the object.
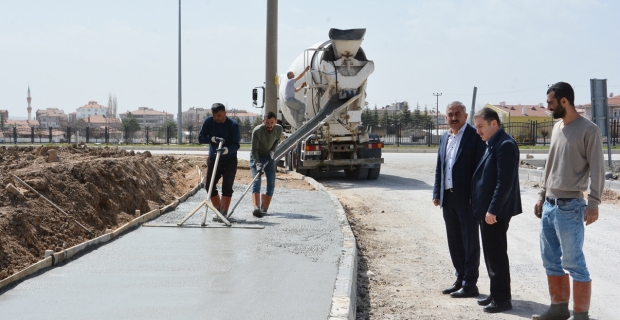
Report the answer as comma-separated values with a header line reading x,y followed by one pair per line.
x,y
530,110
612,102
93,105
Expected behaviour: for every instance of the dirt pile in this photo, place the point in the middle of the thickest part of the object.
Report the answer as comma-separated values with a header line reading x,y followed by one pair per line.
x,y
98,187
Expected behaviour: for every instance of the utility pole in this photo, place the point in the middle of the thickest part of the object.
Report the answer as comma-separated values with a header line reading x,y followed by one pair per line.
x,y
179,115
473,107
437,114
271,58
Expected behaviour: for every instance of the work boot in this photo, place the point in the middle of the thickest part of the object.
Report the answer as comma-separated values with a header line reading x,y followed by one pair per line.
x,y
265,201
256,204
582,291
559,290
215,201
225,205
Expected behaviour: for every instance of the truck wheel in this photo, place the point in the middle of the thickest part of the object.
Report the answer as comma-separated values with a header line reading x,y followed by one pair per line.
x,y
373,173
349,173
360,173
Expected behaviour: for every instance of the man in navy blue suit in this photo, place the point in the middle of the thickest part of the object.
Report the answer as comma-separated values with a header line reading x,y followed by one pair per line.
x,y
495,199
459,152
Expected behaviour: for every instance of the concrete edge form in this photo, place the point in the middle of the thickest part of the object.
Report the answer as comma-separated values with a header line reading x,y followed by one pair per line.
x,y
65,254
45,263
344,297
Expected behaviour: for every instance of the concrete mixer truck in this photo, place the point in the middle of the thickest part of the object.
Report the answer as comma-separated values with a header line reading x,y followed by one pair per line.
x,y
329,134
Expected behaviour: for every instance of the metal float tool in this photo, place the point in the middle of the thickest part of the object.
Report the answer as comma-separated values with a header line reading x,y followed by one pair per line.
x,y
247,189
207,201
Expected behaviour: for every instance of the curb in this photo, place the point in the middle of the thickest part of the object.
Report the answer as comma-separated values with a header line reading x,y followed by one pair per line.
x,y
344,297
58,257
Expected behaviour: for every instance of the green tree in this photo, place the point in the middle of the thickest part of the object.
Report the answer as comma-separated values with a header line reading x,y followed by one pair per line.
x,y
405,115
246,126
2,121
375,116
384,120
366,116
427,118
130,123
161,133
257,122
416,117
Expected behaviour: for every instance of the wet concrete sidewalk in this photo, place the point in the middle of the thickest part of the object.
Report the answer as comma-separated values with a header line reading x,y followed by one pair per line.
x,y
285,271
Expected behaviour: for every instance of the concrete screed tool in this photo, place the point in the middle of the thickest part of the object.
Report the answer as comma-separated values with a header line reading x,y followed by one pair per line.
x,y
258,174
207,201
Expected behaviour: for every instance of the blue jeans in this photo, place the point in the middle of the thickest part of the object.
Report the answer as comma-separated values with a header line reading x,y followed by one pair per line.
x,y
561,239
270,175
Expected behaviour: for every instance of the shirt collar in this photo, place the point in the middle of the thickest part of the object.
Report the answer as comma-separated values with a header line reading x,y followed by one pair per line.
x,y
460,130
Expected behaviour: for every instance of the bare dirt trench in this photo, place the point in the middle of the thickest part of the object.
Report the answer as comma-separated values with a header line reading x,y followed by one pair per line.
x,y
404,261
99,187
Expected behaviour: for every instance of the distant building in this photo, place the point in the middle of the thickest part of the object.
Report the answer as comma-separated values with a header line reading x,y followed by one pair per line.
x,y
439,118
521,113
5,113
242,114
394,107
92,109
613,102
102,121
22,127
147,117
51,117
72,117
195,116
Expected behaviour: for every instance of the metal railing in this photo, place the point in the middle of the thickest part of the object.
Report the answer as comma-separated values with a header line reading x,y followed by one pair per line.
x,y
105,135
532,133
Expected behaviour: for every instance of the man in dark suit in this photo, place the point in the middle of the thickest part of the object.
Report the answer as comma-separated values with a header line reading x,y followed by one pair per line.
x,y
459,152
495,199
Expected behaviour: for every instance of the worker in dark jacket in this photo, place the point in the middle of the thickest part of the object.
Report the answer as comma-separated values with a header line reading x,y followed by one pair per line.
x,y
495,200
214,127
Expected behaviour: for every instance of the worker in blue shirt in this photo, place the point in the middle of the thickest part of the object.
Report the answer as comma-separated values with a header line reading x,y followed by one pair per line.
x,y
220,126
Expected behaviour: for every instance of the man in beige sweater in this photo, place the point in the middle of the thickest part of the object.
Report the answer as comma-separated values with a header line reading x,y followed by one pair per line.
x,y
575,157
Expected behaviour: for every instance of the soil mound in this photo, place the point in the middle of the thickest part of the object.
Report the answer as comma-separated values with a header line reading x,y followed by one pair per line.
x,y
98,187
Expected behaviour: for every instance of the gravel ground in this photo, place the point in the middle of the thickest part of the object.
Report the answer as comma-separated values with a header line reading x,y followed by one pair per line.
x,y
404,259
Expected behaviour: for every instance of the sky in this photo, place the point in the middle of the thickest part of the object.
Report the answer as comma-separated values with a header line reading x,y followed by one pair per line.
x,y
73,51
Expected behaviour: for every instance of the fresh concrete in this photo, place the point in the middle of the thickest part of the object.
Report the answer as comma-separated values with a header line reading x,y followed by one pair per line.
x,y
285,271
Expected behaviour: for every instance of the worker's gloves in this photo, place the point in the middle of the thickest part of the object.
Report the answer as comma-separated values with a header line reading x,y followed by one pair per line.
x,y
271,154
215,139
259,167
222,150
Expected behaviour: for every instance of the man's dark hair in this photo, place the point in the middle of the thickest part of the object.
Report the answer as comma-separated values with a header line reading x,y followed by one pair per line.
x,y
563,90
270,115
217,107
488,115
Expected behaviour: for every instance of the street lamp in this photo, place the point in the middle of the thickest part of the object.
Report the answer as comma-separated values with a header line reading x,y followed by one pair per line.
x,y
437,115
